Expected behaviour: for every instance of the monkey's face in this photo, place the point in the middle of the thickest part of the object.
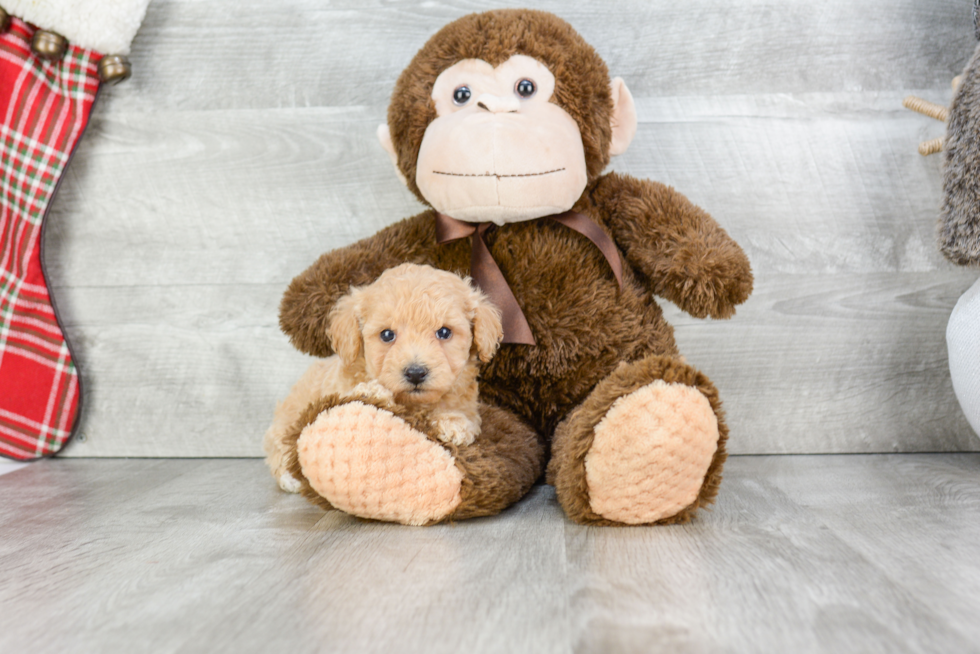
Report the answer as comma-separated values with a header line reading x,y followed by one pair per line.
x,y
499,150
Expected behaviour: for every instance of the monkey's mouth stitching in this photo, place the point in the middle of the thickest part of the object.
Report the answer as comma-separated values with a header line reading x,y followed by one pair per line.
x,y
547,172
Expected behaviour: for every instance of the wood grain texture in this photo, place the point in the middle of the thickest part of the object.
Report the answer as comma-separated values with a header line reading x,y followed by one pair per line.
x,y
802,554
869,553
304,53
7,467
218,172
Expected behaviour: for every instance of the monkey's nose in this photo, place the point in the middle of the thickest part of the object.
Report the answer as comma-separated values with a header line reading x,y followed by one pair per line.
x,y
496,104
416,374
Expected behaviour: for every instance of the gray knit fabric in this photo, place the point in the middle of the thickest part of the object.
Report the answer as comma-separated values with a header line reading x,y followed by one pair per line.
x,y
976,19
959,221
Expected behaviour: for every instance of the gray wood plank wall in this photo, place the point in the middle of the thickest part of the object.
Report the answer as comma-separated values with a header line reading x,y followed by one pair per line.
x,y
244,147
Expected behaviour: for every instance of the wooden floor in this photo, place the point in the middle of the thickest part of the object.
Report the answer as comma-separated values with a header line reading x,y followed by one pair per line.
x,y
834,553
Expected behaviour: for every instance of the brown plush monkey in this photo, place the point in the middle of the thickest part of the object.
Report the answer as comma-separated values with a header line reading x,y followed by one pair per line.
x,y
503,123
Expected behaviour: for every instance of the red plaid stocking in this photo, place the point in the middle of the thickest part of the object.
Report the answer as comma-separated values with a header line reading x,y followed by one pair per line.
x,y
44,107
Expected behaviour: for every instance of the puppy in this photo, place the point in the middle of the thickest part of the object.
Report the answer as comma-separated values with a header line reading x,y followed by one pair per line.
x,y
415,336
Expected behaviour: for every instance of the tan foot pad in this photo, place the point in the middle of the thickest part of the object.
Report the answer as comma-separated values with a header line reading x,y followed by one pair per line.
x,y
369,463
651,453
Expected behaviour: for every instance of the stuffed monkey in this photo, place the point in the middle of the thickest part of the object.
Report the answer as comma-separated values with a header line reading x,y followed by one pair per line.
x,y
502,124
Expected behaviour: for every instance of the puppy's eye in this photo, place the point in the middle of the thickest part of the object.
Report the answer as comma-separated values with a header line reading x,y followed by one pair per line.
x,y
461,95
387,336
444,333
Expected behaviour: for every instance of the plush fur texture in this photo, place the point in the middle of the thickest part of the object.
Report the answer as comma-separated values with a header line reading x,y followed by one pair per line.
x,y
369,463
413,302
497,157
581,78
583,330
107,26
497,469
959,222
500,466
596,341
649,453
413,417
574,437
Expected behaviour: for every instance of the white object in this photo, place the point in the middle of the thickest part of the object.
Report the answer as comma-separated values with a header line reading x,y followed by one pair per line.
x,y
963,343
289,483
107,26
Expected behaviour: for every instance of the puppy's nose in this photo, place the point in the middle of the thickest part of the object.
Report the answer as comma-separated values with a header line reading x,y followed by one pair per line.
x,y
416,374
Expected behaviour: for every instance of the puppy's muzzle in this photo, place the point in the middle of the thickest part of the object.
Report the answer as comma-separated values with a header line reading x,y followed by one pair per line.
x,y
415,374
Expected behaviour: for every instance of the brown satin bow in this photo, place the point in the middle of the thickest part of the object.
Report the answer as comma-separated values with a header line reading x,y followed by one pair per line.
x,y
491,280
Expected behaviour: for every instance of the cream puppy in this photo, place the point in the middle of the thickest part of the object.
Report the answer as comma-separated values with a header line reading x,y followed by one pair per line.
x,y
415,336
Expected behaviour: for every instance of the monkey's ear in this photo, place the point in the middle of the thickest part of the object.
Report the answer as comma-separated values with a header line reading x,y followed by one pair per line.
x,y
345,328
623,117
384,136
487,329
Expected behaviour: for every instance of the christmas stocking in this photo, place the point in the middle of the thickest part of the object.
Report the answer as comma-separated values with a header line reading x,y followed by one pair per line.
x,y
49,79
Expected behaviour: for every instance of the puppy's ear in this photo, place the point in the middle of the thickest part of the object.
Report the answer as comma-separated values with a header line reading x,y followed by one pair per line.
x,y
345,327
487,329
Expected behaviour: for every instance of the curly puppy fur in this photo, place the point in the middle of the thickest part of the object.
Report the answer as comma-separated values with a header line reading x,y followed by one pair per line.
x,y
412,303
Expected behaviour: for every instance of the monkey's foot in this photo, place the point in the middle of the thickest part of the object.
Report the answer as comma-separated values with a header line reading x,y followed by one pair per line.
x,y
650,453
367,462
645,447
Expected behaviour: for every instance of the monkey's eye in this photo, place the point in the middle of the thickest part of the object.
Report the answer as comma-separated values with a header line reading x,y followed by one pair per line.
x,y
444,333
525,88
387,336
461,95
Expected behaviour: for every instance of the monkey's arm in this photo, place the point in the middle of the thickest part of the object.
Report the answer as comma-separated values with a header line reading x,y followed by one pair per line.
x,y
684,254
306,305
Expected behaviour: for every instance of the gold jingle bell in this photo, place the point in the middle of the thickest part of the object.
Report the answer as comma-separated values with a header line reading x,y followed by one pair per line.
x,y
114,69
4,20
49,46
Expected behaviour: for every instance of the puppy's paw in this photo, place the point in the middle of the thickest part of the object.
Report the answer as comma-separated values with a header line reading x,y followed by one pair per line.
x,y
372,390
456,429
289,483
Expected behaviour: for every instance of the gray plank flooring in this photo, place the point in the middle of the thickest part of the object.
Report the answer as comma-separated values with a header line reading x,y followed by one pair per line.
x,y
244,147
7,467
830,553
